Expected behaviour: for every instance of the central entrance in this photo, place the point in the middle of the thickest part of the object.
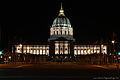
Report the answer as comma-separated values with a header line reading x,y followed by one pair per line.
x,y
62,48
62,51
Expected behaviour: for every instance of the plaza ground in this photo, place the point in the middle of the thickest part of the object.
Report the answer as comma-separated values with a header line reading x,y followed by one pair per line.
x,y
58,71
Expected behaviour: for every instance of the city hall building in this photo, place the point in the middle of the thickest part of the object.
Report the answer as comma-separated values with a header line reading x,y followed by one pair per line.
x,y
61,44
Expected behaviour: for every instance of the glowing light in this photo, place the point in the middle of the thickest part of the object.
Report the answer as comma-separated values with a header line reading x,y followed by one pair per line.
x,y
75,52
114,50
40,51
37,52
118,57
94,48
20,45
43,51
1,56
98,51
1,53
78,52
61,11
118,53
9,57
66,57
113,41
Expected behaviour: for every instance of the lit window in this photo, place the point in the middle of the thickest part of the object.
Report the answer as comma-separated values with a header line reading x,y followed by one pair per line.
x,y
24,51
40,51
47,52
78,52
95,51
81,51
44,51
91,51
31,51
98,51
85,51
88,51
37,51
75,52
28,49
34,52
18,51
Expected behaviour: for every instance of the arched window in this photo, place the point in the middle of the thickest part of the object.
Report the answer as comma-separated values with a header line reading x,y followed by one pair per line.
x,y
57,33
68,32
61,32
54,32
65,32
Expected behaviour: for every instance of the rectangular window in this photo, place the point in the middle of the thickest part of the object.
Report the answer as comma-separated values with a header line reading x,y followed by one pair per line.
x,y
56,48
28,49
82,52
40,51
75,52
34,52
37,52
78,52
98,50
44,52
47,52
24,51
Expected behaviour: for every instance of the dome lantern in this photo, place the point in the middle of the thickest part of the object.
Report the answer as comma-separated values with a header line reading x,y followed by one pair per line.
x,y
61,12
61,20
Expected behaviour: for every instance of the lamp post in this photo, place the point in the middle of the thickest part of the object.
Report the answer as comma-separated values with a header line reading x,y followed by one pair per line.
x,y
113,42
21,46
117,62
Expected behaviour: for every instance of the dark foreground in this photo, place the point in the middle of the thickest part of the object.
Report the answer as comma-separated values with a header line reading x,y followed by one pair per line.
x,y
58,71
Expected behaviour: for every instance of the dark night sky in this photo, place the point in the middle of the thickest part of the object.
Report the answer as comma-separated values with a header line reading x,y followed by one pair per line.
x,y
31,21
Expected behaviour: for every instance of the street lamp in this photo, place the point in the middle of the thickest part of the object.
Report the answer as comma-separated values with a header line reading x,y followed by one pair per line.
x,y
102,45
20,45
1,53
118,53
113,41
117,64
22,51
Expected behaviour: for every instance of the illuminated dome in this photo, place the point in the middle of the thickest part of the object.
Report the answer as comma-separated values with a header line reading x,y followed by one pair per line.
x,y
61,27
61,20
